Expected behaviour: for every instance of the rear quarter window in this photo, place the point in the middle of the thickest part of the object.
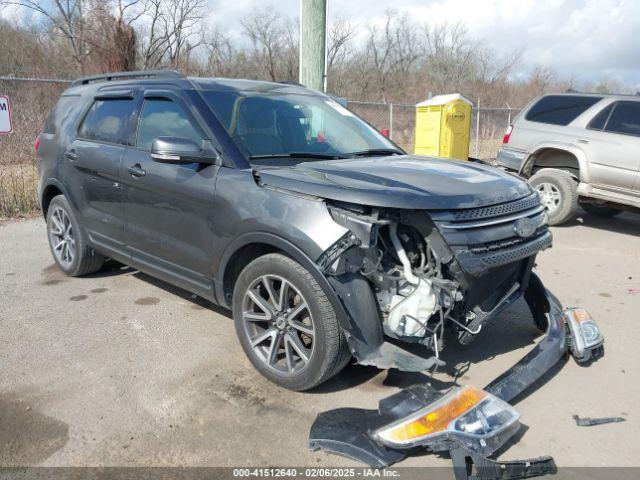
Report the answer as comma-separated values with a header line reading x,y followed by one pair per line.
x,y
600,120
560,109
59,113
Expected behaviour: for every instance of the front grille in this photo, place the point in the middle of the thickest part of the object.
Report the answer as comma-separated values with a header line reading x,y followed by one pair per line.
x,y
496,210
518,252
485,238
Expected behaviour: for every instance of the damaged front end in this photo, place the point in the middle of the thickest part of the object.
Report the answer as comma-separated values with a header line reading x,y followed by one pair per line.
x,y
469,424
408,276
429,272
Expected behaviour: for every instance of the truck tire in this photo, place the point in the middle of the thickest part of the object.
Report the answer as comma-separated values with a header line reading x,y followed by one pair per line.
x,y
558,191
296,347
68,242
600,210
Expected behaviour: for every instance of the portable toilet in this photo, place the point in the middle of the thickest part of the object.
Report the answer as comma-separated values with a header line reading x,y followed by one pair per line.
x,y
443,125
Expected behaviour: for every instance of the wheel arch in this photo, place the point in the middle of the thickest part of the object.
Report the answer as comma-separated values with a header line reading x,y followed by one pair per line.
x,y
247,248
561,157
353,301
51,189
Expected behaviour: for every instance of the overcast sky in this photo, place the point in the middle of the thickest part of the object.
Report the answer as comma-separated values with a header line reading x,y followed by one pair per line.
x,y
589,39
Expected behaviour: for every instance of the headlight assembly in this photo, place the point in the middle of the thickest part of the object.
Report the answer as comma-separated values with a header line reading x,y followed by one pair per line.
x,y
470,416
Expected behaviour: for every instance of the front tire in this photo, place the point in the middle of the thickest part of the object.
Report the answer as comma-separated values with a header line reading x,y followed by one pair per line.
x,y
286,324
558,192
68,242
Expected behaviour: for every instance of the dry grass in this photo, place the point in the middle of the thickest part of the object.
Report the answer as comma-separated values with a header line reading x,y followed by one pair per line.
x,y
30,105
18,185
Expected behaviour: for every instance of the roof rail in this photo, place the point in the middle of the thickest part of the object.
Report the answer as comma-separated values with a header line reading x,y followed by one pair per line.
x,y
107,77
601,94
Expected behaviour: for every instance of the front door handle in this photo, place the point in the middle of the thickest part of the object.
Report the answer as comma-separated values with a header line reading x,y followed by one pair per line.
x,y
71,155
583,141
136,170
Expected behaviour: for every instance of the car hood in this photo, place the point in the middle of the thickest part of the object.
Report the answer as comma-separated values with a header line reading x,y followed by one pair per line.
x,y
406,181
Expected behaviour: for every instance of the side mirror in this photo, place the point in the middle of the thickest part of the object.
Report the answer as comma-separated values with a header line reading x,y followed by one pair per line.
x,y
180,150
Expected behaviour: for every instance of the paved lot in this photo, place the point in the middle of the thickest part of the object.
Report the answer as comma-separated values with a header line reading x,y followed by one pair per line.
x,y
120,369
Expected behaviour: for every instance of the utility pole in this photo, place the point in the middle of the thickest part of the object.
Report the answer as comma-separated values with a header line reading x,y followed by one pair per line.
x,y
313,44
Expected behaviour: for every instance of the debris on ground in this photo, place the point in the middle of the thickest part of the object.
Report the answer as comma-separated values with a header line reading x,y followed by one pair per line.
x,y
590,422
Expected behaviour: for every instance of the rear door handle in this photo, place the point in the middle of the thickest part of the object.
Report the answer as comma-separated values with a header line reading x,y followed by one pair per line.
x,y
583,140
136,171
71,155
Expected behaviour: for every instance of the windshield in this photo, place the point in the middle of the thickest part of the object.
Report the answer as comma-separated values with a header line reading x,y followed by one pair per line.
x,y
275,125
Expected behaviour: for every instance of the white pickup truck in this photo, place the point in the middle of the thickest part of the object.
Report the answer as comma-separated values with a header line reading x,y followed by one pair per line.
x,y
578,149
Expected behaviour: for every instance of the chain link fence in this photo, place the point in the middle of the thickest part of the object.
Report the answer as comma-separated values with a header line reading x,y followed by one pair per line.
x,y
488,125
32,99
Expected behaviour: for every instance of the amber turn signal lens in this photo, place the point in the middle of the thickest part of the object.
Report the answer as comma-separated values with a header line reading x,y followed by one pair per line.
x,y
581,315
436,420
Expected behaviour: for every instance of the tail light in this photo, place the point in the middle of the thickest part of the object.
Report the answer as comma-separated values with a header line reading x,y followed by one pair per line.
x,y
385,132
507,134
36,143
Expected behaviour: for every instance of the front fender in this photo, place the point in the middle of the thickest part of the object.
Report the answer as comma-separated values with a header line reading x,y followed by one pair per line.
x,y
298,225
350,295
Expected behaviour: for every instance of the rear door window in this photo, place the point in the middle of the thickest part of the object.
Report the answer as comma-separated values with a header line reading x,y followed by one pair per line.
x,y
560,109
106,120
625,119
162,117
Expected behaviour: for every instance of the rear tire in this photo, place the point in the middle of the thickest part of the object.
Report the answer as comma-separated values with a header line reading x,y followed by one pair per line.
x,y
68,242
600,210
287,355
558,191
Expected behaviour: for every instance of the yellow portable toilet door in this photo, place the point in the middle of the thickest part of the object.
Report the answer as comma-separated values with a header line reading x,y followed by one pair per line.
x,y
428,131
456,130
443,124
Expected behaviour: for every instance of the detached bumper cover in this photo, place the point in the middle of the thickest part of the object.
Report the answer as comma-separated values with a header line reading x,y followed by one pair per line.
x,y
544,355
347,431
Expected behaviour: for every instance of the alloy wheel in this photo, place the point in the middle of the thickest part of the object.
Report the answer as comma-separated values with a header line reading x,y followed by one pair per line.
x,y
550,196
279,325
61,235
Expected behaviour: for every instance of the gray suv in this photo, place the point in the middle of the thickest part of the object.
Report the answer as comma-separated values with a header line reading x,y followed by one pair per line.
x,y
326,240
578,148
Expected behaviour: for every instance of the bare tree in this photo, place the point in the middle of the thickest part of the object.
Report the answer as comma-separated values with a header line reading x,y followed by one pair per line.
x,y
290,57
267,34
111,34
541,78
393,52
67,17
183,29
220,53
340,34
152,48
175,29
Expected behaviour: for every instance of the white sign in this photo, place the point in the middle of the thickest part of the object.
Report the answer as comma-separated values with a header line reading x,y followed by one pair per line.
x,y
5,115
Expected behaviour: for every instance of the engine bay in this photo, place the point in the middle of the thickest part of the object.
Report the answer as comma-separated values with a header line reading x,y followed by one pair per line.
x,y
423,285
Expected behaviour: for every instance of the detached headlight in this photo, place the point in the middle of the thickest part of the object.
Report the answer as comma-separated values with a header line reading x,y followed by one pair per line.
x,y
468,415
585,336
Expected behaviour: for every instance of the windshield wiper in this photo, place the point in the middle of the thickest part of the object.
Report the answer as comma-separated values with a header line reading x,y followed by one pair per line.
x,y
322,156
374,152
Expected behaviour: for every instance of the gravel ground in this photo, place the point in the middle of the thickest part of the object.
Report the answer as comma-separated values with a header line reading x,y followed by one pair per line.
x,y
121,369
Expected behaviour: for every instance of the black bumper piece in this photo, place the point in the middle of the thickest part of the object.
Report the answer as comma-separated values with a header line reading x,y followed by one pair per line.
x,y
346,431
